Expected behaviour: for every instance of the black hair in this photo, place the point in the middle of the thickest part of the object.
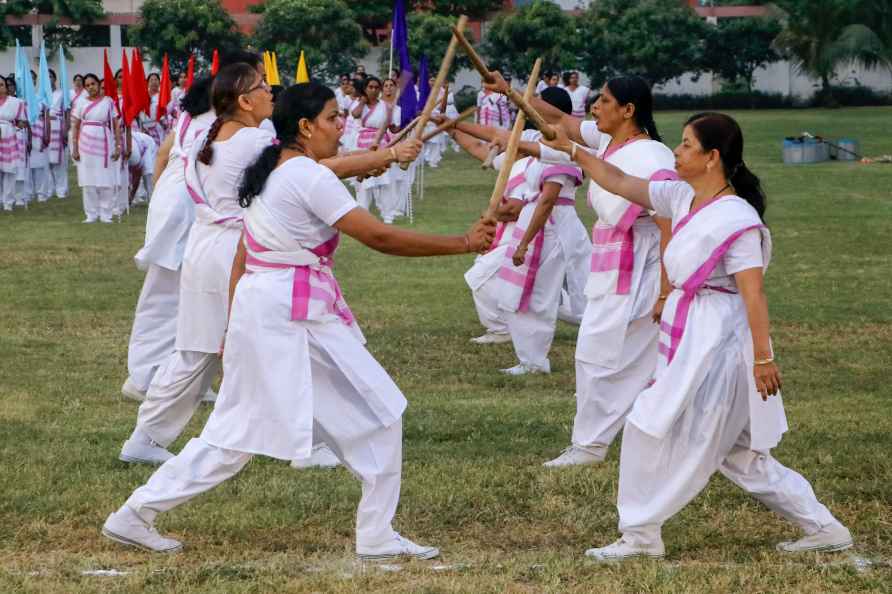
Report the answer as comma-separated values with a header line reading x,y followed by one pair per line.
x,y
547,74
559,98
93,76
566,76
155,74
365,83
231,82
197,99
636,90
78,76
722,133
252,59
118,71
52,73
276,90
297,102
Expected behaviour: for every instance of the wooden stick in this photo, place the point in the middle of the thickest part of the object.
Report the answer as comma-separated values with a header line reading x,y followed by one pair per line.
x,y
445,65
511,152
402,133
450,123
513,95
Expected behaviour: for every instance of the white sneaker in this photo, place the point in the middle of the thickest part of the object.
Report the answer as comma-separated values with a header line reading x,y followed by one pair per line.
x,y
492,338
131,391
88,221
140,449
574,456
320,457
622,550
521,369
398,547
833,537
210,397
126,527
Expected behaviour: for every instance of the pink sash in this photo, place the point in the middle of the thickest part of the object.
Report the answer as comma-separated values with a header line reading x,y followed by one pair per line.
x,y
367,134
311,283
613,247
673,324
9,148
524,276
90,145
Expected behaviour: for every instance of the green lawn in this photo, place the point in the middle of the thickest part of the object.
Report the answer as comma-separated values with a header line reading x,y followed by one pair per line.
x,y
474,440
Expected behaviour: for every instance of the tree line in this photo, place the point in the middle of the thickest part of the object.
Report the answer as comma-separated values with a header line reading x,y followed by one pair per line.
x,y
657,39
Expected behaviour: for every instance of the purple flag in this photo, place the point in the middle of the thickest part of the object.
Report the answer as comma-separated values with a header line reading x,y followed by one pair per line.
x,y
424,85
408,100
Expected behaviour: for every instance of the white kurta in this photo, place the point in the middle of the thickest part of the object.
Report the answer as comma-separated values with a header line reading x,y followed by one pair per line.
x,y
96,143
275,394
207,261
703,414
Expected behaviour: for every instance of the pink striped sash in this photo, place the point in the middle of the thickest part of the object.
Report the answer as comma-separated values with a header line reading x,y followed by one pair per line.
x,y
310,283
92,145
523,276
671,331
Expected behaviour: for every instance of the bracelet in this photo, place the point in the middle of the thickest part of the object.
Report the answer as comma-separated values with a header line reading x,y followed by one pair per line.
x,y
573,152
662,297
467,244
764,361
393,154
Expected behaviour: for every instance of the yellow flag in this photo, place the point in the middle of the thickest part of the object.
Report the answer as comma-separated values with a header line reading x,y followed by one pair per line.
x,y
266,65
274,62
303,75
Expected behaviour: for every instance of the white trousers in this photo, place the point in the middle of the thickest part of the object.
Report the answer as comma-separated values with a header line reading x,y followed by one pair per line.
x,y
154,324
174,394
604,396
122,194
363,197
532,332
24,188
98,203
7,190
658,477
42,182
486,301
374,457
59,175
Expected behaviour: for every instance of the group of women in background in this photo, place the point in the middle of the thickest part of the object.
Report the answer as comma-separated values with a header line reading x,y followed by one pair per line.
x,y
673,349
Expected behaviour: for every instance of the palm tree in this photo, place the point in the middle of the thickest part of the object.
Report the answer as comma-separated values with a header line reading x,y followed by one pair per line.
x,y
820,35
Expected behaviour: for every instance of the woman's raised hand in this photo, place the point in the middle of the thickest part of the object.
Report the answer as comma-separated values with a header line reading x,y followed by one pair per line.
x,y
561,141
481,234
408,150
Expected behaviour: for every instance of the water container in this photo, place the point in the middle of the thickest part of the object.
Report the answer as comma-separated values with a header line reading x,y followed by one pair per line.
x,y
811,151
793,151
823,151
850,146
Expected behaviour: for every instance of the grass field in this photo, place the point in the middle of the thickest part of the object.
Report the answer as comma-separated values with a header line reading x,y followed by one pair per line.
x,y
474,440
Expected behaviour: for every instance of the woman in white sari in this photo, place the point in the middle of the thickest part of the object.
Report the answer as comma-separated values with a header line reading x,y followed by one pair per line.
x,y
321,383
715,404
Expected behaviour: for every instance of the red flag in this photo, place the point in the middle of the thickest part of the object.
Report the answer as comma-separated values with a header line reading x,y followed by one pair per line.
x,y
190,72
108,79
127,95
215,63
139,88
164,93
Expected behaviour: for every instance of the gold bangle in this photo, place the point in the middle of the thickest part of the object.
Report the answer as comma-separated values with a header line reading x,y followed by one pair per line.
x,y
467,244
662,297
573,152
764,361
393,154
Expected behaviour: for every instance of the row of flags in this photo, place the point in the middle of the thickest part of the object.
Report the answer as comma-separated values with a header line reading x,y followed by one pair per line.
x,y
41,97
271,65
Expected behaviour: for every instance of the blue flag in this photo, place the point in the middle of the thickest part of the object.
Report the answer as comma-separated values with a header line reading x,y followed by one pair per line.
x,y
424,84
408,100
44,86
24,84
63,80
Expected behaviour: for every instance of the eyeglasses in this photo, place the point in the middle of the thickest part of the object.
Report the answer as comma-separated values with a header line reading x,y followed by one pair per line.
x,y
261,85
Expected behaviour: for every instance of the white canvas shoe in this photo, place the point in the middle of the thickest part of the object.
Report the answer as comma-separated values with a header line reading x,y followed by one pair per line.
x,y
521,369
622,550
398,547
210,397
321,457
574,456
126,527
833,537
140,449
492,338
131,391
